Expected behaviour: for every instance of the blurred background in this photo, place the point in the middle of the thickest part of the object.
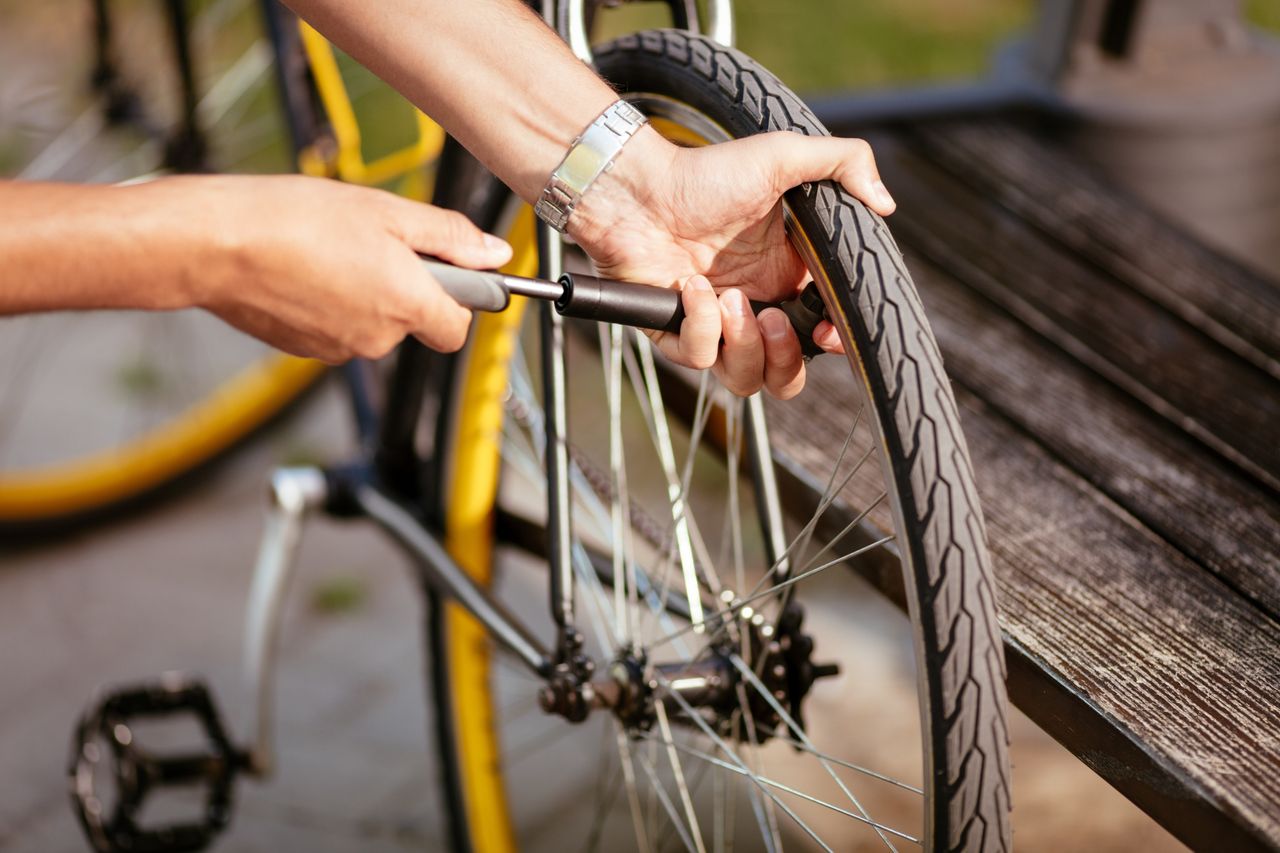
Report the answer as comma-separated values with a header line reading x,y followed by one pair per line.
x,y
164,589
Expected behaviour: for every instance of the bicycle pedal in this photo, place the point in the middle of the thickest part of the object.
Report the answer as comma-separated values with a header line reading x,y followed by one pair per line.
x,y
105,740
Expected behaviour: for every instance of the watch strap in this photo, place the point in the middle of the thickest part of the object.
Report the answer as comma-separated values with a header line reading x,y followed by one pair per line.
x,y
591,155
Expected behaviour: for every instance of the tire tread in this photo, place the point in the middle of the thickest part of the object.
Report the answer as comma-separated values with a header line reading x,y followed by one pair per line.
x,y
963,649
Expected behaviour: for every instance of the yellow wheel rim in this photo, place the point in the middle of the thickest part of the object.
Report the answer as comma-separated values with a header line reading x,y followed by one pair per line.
x,y
198,434
469,504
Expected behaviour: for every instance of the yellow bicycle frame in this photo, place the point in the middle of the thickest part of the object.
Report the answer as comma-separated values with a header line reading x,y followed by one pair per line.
x,y
347,162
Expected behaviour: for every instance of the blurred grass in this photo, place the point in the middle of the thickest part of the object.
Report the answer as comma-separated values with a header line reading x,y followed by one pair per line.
x,y
338,594
1264,13
817,46
824,46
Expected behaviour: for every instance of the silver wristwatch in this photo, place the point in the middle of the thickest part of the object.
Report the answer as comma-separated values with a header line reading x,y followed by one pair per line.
x,y
591,155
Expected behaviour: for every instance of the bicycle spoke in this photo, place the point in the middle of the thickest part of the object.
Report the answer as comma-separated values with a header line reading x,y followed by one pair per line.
x,y
697,720
64,147
803,538
534,744
529,461
702,411
781,786
723,616
766,815
633,794
624,581
833,541
799,733
662,442
804,747
664,726
722,816
233,84
604,797
659,790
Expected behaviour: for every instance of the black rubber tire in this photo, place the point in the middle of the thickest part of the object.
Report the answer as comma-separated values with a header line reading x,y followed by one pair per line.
x,y
950,579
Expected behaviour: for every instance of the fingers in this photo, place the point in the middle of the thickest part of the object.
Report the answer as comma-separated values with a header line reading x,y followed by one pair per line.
x,y
784,365
826,336
698,343
849,162
759,351
741,365
442,323
446,234
437,321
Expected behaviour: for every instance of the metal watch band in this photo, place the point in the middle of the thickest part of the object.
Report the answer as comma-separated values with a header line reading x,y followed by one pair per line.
x,y
590,155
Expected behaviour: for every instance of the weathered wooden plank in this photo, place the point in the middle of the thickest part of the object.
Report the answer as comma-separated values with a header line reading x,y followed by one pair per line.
x,y
1159,475
1163,651
1154,671
1082,210
1189,379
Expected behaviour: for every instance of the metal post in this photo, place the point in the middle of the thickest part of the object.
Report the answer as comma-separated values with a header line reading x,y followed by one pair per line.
x,y
559,543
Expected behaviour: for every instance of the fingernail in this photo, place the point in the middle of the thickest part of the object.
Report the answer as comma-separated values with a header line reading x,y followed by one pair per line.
x,y
735,303
774,324
882,193
699,283
494,244
829,337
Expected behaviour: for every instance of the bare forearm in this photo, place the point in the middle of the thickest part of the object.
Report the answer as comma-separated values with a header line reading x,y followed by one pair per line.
x,y
78,247
489,71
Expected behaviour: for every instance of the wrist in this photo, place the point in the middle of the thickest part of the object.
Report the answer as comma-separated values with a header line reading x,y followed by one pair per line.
x,y
188,231
634,188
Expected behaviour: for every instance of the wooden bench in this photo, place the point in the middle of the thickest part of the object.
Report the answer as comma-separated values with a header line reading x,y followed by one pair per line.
x,y
1120,388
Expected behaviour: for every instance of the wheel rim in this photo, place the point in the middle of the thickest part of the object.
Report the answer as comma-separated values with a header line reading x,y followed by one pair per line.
x,y
144,397
140,397
775,801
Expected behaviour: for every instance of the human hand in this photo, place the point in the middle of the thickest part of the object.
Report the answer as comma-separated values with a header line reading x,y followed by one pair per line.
x,y
328,270
709,221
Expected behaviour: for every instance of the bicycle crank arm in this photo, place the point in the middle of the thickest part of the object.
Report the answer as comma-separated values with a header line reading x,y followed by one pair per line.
x,y
587,297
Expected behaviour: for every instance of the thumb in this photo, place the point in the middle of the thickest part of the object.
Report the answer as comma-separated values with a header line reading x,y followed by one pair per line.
x,y
448,235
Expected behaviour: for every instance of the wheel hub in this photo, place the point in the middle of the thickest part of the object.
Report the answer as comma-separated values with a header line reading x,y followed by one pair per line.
x,y
779,656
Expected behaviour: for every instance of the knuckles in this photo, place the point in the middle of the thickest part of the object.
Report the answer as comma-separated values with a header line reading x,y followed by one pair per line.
x,y
377,345
788,391
860,150
700,360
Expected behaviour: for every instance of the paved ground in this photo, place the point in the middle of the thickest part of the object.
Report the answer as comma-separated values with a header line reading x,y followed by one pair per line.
x,y
165,590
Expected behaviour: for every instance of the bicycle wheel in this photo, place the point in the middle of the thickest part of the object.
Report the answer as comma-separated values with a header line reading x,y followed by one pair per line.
x,y
172,392
99,412
742,735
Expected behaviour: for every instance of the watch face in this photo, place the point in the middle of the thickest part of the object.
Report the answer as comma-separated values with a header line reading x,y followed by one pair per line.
x,y
583,162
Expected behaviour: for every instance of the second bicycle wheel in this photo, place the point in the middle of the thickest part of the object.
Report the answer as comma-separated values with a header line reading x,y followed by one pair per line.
x,y
796,712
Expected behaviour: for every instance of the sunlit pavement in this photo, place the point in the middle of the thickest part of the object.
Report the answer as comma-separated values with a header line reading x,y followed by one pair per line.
x,y
165,590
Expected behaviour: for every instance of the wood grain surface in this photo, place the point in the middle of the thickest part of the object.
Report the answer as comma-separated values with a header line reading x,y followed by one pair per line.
x,y
1119,392
1225,401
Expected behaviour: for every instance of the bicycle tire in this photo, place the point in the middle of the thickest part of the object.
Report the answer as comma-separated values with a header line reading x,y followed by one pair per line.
x,y
49,497
947,570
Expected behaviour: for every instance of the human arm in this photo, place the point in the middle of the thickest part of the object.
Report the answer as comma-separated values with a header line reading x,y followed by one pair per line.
x,y
310,266
508,89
